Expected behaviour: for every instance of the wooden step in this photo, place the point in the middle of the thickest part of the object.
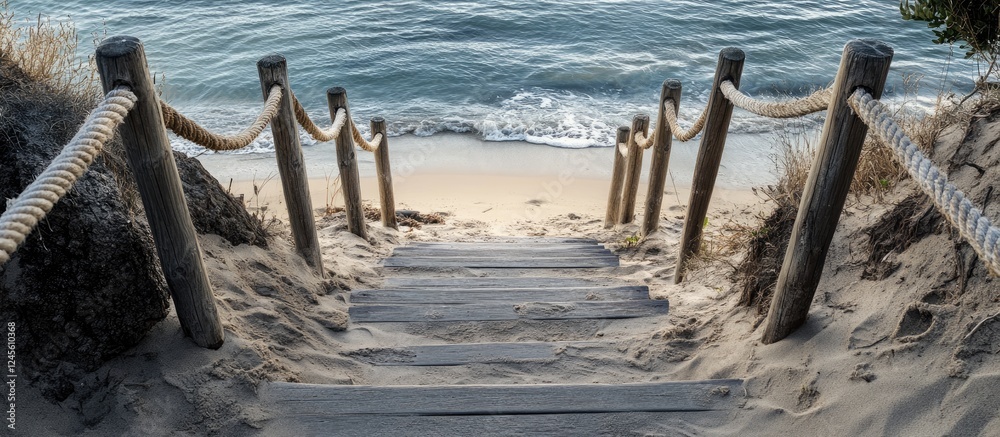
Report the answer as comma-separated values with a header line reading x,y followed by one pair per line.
x,y
518,240
425,251
556,425
527,399
485,282
470,353
621,309
504,262
501,246
504,295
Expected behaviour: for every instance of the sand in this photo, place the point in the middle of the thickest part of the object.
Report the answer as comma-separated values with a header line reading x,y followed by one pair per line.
x,y
893,357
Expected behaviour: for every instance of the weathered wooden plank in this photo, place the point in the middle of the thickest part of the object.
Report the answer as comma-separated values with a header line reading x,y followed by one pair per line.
x,y
485,282
597,424
624,309
513,239
506,295
429,251
492,255
467,353
462,400
504,263
507,246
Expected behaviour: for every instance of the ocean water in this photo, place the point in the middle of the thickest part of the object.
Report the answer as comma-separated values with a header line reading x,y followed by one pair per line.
x,y
560,73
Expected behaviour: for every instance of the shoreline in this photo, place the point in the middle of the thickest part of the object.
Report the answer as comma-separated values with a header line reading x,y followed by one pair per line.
x,y
746,163
464,176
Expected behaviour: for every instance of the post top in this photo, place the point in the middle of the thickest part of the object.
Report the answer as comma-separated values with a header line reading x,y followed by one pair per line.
x,y
671,84
732,54
641,117
118,45
378,119
868,48
624,129
332,91
271,61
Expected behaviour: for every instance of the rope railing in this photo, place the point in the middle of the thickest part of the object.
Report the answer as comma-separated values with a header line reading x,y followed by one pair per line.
x,y
333,132
815,102
190,130
35,202
675,129
623,149
956,208
316,132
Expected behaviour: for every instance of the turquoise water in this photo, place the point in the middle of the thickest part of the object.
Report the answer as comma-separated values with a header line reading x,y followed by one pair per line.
x,y
561,73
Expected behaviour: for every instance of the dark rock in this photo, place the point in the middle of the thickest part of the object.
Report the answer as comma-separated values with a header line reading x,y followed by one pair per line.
x,y
215,211
86,283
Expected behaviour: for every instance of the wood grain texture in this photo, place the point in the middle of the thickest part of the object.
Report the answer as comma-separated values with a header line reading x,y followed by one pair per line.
x,y
505,295
865,64
347,164
504,262
706,169
291,164
500,251
485,282
633,169
503,246
464,400
594,424
671,91
613,211
470,353
121,61
626,309
384,175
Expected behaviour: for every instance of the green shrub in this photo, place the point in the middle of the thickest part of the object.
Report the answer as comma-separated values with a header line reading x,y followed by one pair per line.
x,y
973,24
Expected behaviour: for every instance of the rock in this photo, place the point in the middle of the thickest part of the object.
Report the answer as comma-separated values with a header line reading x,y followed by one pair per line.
x,y
213,209
86,283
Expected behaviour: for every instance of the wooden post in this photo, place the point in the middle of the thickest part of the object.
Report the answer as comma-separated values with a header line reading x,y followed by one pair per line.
x,y
640,123
385,194
671,91
706,168
865,64
617,181
291,165
121,61
347,162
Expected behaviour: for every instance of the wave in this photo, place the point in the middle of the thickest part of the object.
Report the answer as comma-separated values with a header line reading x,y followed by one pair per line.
x,y
555,118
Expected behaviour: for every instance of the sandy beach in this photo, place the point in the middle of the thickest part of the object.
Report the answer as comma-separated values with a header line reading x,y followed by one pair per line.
x,y
887,357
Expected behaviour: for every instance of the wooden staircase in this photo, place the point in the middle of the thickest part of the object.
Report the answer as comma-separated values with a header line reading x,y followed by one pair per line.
x,y
524,281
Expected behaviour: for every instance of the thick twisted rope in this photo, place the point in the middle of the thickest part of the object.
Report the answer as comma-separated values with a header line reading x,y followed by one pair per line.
x,y
360,140
952,203
623,149
675,129
190,130
24,212
643,142
334,131
815,102
318,134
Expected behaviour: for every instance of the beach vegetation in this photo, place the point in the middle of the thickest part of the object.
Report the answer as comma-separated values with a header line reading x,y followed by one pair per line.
x,y
972,24
45,52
